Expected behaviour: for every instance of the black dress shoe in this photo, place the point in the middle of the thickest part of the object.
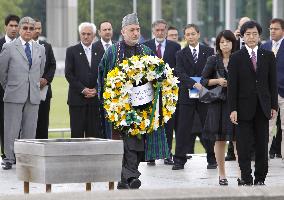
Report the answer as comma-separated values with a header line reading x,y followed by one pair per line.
x,y
230,158
259,183
151,163
177,167
134,183
6,165
212,166
241,182
188,156
271,155
223,181
168,161
122,185
278,155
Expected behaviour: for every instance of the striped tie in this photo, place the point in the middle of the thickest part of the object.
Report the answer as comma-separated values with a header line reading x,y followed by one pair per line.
x,y
253,60
275,48
194,54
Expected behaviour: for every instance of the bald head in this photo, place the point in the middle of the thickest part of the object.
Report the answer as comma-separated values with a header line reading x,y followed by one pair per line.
x,y
242,21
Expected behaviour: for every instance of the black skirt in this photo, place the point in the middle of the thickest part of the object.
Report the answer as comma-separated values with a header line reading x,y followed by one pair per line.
x,y
218,126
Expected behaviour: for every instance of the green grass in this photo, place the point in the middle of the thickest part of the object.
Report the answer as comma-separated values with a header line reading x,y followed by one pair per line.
x,y
59,112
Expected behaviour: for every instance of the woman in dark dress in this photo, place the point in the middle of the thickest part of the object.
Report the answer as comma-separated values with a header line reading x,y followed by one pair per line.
x,y
218,126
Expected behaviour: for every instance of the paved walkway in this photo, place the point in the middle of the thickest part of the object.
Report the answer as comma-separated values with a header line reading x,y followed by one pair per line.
x,y
160,176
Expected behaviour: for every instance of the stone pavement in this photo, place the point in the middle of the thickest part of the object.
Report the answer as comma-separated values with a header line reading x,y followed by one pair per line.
x,y
195,175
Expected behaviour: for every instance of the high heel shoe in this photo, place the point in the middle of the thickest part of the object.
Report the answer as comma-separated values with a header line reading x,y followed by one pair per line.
x,y
223,181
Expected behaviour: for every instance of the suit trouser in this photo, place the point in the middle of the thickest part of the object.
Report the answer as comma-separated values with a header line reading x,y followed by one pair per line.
x,y
43,119
272,124
276,142
169,129
18,116
183,134
85,121
249,132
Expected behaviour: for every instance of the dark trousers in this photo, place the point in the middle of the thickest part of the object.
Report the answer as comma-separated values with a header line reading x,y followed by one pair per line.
x,y
183,134
276,142
249,132
192,140
43,119
131,158
169,129
2,127
85,121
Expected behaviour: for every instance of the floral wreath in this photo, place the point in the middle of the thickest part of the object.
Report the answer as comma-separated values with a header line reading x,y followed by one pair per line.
x,y
118,94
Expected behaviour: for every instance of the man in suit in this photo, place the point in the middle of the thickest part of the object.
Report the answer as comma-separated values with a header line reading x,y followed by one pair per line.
x,y
21,67
105,32
240,43
81,74
45,84
11,29
252,96
166,50
276,45
190,62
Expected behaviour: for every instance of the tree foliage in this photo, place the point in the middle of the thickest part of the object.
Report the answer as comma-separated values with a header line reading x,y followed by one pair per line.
x,y
9,7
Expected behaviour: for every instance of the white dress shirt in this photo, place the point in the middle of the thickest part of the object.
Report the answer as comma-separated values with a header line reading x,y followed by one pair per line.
x,y
104,43
197,49
88,52
250,50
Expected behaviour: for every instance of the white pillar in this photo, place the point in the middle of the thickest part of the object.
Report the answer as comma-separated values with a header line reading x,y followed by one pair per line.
x,y
156,10
230,14
278,9
61,25
192,12
135,6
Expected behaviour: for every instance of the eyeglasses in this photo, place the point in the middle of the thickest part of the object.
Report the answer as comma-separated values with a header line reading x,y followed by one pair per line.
x,y
25,28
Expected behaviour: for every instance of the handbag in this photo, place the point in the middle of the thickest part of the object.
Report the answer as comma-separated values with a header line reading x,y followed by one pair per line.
x,y
211,95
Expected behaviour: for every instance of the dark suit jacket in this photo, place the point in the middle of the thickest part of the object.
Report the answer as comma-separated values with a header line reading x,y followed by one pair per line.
x,y
170,51
186,68
246,87
80,75
2,42
279,64
50,66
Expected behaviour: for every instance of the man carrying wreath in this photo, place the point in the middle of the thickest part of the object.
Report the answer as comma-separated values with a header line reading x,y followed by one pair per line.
x,y
134,147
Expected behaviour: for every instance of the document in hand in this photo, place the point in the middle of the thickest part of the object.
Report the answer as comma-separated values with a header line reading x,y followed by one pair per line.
x,y
43,93
194,92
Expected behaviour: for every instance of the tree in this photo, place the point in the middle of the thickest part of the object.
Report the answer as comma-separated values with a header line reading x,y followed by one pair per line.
x,y
9,7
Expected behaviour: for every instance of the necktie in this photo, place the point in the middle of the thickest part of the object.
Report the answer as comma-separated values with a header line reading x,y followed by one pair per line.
x,y
194,54
28,53
275,48
106,46
253,60
159,51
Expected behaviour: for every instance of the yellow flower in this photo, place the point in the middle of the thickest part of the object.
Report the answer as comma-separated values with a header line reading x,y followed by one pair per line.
x,y
127,106
114,100
106,95
144,114
118,84
125,62
142,126
106,106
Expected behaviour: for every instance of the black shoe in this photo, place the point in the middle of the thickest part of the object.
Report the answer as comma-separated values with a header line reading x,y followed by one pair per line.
x,y
177,167
223,182
230,158
212,166
134,183
151,163
271,155
122,185
259,183
278,155
168,161
6,165
188,156
243,183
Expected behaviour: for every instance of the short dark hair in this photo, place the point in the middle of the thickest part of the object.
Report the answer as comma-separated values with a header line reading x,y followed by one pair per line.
x,y
37,20
172,28
250,24
191,26
278,20
228,35
101,22
11,17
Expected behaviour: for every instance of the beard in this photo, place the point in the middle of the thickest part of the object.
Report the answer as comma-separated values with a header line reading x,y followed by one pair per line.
x,y
160,40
